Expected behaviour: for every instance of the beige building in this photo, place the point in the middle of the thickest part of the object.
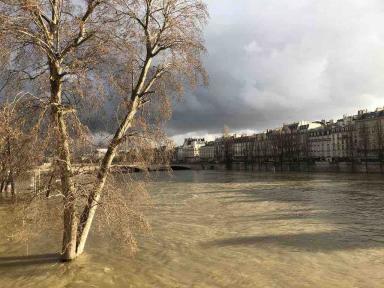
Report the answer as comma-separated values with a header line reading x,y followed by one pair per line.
x,y
359,137
207,152
191,149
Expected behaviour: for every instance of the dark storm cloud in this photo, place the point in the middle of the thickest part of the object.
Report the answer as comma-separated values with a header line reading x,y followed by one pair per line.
x,y
275,61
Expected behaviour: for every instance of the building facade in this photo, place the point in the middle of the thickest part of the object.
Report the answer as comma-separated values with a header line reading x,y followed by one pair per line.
x,y
190,150
207,152
358,138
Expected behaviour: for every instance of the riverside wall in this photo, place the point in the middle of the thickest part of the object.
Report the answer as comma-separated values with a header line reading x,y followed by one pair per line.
x,y
320,166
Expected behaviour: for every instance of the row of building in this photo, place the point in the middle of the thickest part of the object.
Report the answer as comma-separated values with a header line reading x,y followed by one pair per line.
x,y
353,138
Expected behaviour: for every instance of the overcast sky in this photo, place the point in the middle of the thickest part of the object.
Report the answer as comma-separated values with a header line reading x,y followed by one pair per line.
x,y
277,61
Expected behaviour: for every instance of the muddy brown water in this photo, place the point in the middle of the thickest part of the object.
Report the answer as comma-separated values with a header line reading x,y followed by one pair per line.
x,y
229,229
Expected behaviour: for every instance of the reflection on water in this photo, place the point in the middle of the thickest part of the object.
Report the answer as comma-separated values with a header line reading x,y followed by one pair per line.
x,y
230,229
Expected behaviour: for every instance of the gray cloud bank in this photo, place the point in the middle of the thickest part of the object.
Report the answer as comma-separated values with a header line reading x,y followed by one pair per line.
x,y
275,61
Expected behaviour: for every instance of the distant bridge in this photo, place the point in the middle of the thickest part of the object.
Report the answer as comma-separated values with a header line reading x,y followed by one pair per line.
x,y
129,168
194,166
139,167
177,167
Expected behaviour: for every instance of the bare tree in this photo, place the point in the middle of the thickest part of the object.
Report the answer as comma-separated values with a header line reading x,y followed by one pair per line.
x,y
15,145
16,137
364,141
351,144
143,50
378,140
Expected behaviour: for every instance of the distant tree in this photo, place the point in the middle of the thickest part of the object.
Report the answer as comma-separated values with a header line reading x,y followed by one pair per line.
x,y
16,137
16,151
364,141
379,140
351,144
277,147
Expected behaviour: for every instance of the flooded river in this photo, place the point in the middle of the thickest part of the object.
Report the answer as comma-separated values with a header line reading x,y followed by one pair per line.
x,y
230,229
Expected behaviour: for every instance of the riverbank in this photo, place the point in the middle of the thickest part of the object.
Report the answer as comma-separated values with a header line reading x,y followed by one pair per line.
x,y
318,166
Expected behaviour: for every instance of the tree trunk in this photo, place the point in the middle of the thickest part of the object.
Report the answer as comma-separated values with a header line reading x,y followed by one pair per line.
x,y
2,186
88,214
12,183
10,176
70,218
65,166
69,233
49,186
89,211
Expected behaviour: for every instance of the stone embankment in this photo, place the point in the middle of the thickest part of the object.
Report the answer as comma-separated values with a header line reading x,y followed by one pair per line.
x,y
321,166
